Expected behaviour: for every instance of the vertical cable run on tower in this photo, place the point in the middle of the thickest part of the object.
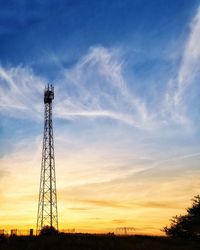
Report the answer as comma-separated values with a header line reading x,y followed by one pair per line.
x,y
47,204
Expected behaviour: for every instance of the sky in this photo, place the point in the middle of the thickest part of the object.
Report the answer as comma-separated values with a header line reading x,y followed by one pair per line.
x,y
125,114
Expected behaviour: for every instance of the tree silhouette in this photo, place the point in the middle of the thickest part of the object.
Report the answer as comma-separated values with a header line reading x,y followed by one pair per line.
x,y
187,226
47,230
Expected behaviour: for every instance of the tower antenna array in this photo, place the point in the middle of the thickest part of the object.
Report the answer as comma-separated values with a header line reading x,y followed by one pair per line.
x,y
47,204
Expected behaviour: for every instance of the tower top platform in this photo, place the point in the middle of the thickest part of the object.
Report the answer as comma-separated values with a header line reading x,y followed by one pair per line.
x,y
49,94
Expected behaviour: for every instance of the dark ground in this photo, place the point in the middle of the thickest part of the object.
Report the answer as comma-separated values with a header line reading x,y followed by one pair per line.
x,y
96,242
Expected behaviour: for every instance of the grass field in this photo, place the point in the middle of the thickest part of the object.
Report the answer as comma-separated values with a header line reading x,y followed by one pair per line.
x,y
96,242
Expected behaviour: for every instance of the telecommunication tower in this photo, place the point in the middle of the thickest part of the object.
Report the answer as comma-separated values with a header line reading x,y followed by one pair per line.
x,y
47,204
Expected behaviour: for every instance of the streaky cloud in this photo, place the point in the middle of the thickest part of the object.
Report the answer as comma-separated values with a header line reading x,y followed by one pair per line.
x,y
96,87
187,74
20,92
102,91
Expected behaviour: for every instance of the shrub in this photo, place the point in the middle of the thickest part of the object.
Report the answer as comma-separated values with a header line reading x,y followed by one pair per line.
x,y
187,226
47,230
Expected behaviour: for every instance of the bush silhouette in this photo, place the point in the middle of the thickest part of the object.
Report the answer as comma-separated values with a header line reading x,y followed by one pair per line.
x,y
186,226
47,230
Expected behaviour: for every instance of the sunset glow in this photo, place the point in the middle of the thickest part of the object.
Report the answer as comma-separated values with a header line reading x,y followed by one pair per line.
x,y
126,111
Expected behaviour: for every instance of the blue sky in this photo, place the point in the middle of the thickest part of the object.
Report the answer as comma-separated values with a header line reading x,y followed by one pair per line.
x,y
126,104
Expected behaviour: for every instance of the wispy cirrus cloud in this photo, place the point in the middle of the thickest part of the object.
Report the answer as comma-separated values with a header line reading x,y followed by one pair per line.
x,y
100,90
187,73
189,68
20,92
96,87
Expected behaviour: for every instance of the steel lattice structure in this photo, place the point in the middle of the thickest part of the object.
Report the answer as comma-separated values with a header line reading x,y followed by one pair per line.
x,y
47,204
125,230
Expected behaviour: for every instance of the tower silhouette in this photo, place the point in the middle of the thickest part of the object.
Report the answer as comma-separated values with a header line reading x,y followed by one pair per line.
x,y
47,204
